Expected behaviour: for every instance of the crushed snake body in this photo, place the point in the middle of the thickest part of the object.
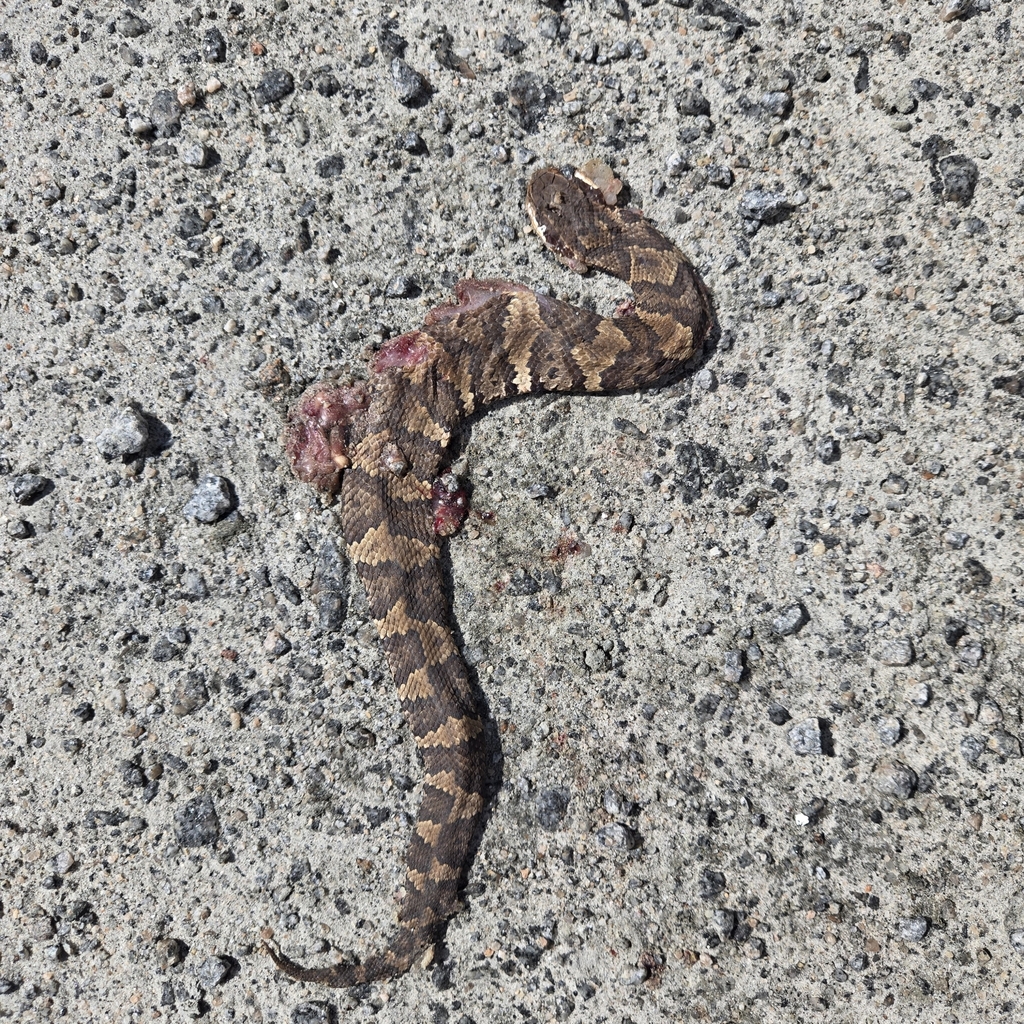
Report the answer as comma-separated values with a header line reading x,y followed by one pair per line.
x,y
383,443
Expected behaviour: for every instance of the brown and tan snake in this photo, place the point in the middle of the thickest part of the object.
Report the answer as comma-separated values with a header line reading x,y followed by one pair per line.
x,y
383,444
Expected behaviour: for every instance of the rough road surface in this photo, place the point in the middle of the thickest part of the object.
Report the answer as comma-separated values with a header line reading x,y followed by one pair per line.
x,y
751,644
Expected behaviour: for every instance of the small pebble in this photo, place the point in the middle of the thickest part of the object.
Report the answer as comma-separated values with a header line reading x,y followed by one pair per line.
x,y
970,653
805,737
777,104
953,9
889,730
919,694
971,749
676,163
1004,744
897,652
127,434
18,529
399,287
410,86
763,206
710,884
25,488
214,46
913,929
213,971
895,779
618,836
194,154
791,620
274,86
211,500
732,666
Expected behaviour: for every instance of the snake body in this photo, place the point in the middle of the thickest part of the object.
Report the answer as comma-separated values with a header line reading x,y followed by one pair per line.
x,y
384,443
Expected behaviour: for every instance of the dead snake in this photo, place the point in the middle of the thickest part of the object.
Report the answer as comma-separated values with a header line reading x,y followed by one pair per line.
x,y
383,442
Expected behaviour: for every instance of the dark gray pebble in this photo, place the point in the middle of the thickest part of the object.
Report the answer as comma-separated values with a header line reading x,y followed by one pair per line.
x,y
313,1013
551,26
211,500
274,86
197,824
410,86
790,620
247,256
7,986
6,47
412,142
24,489
399,287
732,666
131,26
895,779
971,748
287,590
724,922
1004,313
692,102
889,730
18,529
37,53
214,46
213,971
509,45
165,114
959,176
777,714
777,104
970,653
326,85
164,650
552,805
330,166
710,884
719,175
827,449
924,89
765,207
127,434
618,836
529,97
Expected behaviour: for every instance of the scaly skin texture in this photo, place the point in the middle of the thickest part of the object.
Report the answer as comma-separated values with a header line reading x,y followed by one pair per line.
x,y
386,442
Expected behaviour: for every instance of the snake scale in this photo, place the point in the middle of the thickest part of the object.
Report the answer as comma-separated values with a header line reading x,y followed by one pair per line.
x,y
383,443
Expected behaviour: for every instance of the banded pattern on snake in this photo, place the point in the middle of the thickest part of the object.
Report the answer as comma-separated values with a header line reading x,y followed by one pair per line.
x,y
383,444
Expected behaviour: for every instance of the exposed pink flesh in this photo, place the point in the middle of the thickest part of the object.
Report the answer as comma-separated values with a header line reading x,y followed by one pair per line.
x,y
402,352
472,293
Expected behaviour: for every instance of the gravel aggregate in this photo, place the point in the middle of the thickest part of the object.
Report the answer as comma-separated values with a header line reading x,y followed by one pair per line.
x,y
751,644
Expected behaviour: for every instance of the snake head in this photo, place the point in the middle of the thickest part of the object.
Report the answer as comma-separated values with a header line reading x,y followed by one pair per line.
x,y
316,435
571,216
